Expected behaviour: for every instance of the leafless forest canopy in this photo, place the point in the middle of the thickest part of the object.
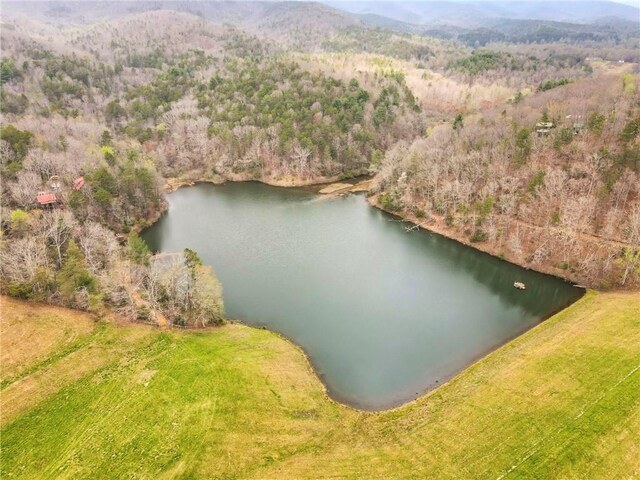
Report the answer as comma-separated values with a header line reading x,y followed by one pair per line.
x,y
522,139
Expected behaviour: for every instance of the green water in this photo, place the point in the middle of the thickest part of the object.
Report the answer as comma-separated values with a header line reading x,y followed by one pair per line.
x,y
384,314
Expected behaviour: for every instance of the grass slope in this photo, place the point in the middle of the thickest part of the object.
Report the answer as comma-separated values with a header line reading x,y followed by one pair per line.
x,y
101,401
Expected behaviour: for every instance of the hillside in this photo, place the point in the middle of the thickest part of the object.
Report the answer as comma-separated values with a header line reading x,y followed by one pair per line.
x,y
533,178
238,402
138,98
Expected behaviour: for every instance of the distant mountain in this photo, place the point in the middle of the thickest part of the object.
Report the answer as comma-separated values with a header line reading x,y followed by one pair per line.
x,y
309,25
305,24
234,12
510,30
475,14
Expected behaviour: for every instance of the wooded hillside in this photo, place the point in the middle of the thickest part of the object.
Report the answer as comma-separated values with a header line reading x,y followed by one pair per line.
x,y
529,151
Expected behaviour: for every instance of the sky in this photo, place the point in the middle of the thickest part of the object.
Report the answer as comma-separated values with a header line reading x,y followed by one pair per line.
x,y
634,3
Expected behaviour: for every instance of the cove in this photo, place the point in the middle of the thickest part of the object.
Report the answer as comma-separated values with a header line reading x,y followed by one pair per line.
x,y
383,314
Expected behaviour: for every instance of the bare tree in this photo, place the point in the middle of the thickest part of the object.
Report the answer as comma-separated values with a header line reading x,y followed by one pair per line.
x,y
56,229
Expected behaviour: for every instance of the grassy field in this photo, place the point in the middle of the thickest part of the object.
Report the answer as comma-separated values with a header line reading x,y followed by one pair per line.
x,y
81,399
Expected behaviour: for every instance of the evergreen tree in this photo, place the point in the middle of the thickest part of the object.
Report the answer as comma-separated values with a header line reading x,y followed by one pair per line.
x,y
74,276
137,249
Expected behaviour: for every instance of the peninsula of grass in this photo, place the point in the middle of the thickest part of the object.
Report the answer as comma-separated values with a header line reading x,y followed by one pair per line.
x,y
84,399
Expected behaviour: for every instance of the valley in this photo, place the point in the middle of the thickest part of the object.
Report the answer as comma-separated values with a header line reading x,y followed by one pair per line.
x,y
192,288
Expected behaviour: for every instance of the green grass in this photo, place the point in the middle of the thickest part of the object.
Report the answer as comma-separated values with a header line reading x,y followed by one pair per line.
x,y
561,401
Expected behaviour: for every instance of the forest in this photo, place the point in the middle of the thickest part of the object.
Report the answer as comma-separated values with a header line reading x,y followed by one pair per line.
x,y
529,150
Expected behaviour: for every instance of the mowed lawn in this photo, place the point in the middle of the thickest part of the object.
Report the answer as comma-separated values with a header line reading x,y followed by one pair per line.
x,y
83,399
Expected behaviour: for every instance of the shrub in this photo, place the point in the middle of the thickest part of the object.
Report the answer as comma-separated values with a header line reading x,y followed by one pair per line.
x,y
479,236
458,122
390,202
537,181
595,122
19,222
19,290
143,313
564,137
449,220
95,303
484,208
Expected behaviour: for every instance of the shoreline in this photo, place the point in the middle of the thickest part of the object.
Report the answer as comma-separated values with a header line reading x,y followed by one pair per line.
x,y
173,184
423,393
429,388
484,247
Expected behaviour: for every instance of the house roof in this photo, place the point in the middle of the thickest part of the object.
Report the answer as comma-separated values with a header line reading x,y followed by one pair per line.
x,y
46,198
78,183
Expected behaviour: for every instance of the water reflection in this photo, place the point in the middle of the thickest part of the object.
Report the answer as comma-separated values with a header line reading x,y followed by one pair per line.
x,y
383,313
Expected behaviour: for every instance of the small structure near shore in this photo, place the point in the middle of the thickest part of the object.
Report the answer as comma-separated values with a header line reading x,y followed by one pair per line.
x,y
519,285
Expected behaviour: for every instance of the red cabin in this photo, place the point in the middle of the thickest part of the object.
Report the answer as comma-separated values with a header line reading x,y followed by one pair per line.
x,y
78,183
47,199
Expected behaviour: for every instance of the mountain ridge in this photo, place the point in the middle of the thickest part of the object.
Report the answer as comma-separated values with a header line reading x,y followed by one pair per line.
x,y
473,14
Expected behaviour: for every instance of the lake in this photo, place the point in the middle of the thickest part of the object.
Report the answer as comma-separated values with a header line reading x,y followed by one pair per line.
x,y
384,314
